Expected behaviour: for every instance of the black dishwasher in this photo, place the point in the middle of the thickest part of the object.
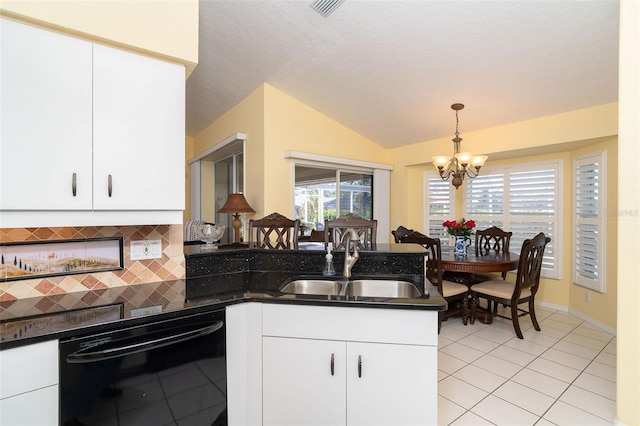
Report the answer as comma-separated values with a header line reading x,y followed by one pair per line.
x,y
169,372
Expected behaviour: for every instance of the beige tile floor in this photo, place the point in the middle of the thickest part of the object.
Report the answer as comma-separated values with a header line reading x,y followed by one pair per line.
x,y
562,375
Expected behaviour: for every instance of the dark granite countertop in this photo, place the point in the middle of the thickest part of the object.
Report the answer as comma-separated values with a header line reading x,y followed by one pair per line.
x,y
214,282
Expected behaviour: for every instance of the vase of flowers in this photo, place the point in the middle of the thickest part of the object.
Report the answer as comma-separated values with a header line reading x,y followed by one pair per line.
x,y
462,232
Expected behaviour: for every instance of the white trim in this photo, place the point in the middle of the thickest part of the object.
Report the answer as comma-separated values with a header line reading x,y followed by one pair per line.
x,y
426,176
578,314
31,219
221,145
591,321
506,171
601,158
195,204
553,306
381,203
332,161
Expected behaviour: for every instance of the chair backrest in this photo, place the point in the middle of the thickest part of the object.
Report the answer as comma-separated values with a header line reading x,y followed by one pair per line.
x,y
274,231
400,232
335,229
530,264
492,239
433,262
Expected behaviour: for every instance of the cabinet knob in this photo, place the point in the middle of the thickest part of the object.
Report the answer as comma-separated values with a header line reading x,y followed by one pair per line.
x,y
74,185
109,185
332,364
359,365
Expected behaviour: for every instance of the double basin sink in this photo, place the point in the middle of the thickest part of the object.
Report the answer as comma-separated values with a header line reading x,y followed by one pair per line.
x,y
340,286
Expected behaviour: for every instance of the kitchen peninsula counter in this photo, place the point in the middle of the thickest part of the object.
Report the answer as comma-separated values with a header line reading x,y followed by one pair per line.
x,y
214,279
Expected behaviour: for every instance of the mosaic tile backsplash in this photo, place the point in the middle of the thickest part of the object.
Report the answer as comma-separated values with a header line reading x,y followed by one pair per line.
x,y
170,266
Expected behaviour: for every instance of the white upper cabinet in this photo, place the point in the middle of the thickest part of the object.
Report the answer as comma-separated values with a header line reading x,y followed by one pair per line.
x,y
138,132
90,135
45,119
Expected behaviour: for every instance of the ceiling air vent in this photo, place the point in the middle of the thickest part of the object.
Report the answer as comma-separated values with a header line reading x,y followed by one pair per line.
x,y
326,7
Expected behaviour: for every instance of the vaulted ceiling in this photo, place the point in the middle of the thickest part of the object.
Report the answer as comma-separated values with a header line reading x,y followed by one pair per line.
x,y
390,70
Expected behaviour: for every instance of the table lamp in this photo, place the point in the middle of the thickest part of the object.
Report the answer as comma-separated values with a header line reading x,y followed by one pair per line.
x,y
236,204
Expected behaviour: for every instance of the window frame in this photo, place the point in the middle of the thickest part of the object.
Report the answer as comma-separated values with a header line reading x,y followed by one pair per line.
x,y
599,222
555,247
427,176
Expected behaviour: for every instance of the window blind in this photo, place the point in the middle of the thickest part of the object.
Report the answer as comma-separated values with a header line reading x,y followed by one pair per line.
x,y
588,235
521,199
438,208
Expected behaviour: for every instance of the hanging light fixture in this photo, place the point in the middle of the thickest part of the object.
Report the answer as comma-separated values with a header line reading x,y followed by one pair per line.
x,y
462,163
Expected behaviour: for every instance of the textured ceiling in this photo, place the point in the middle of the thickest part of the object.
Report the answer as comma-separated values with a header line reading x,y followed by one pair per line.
x,y
391,69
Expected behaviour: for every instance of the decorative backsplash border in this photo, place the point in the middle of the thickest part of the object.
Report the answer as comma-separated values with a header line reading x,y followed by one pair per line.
x,y
37,259
170,266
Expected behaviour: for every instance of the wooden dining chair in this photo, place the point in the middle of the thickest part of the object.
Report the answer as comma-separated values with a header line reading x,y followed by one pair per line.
x,y
491,239
400,232
274,231
522,291
455,294
335,229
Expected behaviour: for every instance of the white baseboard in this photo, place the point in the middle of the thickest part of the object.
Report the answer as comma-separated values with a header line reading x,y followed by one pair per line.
x,y
591,321
552,306
578,314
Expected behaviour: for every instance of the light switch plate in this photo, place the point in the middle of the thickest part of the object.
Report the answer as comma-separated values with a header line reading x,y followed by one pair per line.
x,y
146,249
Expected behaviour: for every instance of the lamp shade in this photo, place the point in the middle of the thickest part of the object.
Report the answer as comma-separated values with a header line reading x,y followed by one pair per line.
x,y
236,203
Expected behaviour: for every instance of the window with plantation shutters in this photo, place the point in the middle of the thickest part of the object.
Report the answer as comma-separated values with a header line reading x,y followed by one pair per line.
x,y
589,222
439,206
521,199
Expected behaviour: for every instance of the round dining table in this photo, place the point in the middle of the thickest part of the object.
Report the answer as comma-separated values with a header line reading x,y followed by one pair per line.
x,y
491,262
461,269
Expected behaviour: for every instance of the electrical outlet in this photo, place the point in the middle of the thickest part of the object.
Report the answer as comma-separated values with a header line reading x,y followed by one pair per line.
x,y
587,297
146,249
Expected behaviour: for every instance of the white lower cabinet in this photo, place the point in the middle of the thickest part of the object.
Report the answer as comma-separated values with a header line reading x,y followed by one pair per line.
x,y
29,385
35,408
299,387
324,382
348,366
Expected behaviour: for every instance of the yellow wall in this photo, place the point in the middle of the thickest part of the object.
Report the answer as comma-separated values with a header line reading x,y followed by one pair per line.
x,y
291,125
274,123
602,306
188,153
599,124
519,139
246,117
167,29
628,336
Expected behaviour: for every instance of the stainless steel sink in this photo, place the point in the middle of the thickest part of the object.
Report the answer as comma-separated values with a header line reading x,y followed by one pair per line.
x,y
310,286
383,288
354,288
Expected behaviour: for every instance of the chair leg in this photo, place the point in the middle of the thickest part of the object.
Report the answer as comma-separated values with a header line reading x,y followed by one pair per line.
x,y
473,301
532,314
440,314
516,322
465,310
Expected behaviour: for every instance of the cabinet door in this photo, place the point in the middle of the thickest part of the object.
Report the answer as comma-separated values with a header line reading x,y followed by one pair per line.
x,y
45,116
38,407
394,385
138,132
298,385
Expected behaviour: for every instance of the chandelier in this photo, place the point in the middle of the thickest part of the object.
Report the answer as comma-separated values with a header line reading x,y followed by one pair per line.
x,y
462,163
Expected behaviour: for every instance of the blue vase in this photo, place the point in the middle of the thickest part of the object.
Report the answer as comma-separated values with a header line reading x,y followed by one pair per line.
x,y
461,245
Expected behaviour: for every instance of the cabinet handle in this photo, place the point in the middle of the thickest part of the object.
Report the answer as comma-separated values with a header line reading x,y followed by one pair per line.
x,y
332,364
109,185
359,365
73,184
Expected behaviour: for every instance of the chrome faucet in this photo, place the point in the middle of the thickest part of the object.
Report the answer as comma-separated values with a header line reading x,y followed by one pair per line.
x,y
350,235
